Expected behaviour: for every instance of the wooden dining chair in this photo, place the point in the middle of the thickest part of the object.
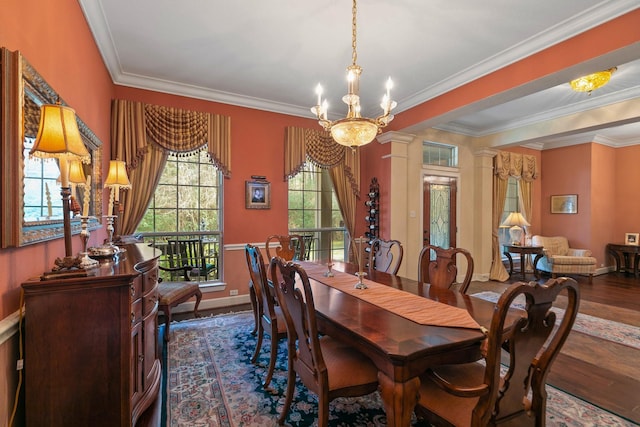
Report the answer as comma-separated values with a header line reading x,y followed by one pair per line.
x,y
173,293
269,317
386,255
437,267
327,367
481,393
289,247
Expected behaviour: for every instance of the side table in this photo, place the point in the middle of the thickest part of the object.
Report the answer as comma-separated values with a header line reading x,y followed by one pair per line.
x,y
523,250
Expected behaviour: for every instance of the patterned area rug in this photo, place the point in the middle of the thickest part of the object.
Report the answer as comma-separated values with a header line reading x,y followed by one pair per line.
x,y
210,381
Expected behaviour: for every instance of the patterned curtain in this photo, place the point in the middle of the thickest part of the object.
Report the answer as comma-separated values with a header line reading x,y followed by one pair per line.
x,y
525,169
144,135
317,146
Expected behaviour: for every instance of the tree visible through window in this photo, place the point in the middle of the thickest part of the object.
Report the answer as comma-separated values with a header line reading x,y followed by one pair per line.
x,y
314,212
187,204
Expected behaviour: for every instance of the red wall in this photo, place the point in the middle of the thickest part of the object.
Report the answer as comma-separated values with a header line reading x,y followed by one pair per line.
x,y
55,39
625,189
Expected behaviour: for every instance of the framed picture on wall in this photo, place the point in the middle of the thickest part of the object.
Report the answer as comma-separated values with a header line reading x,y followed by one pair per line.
x,y
631,239
257,195
564,204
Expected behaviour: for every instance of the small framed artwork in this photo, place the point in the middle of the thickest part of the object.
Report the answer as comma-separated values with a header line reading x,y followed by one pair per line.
x,y
257,195
631,239
564,204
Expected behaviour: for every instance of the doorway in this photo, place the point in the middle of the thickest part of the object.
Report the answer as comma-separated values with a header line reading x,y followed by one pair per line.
x,y
439,211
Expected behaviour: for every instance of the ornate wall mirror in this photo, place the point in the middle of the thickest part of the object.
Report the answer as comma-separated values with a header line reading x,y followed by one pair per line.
x,y
31,205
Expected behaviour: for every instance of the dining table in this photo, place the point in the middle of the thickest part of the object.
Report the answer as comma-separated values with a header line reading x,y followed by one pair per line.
x,y
400,324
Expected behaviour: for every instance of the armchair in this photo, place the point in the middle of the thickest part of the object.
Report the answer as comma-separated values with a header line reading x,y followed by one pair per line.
x,y
559,258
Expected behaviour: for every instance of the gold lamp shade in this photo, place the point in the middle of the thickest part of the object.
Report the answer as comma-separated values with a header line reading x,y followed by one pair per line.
x,y
76,173
117,175
59,138
593,81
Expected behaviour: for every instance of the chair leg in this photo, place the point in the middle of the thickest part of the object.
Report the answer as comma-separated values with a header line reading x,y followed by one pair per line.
x,y
167,322
323,410
590,278
254,307
291,383
198,298
272,361
256,352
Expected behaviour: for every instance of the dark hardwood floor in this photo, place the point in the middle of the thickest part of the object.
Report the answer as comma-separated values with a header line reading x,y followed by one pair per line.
x,y
592,369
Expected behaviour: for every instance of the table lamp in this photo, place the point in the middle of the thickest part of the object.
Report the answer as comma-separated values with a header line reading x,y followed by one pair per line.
x,y
117,180
59,138
516,221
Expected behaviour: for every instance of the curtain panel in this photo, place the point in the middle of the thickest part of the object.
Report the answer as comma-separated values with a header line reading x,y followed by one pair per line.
x,y
143,135
525,169
317,146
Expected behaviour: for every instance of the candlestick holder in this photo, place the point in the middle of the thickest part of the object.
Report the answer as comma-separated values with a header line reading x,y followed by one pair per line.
x,y
329,273
85,261
110,228
361,284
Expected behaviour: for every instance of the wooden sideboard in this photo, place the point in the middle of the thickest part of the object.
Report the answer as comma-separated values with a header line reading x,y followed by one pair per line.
x,y
91,353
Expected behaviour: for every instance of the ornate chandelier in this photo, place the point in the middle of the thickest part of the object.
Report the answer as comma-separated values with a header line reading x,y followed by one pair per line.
x,y
354,130
592,81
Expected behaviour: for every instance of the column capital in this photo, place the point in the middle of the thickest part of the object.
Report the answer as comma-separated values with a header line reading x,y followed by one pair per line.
x,y
394,136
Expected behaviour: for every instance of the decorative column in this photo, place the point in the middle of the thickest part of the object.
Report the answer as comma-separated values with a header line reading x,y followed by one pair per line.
x,y
399,211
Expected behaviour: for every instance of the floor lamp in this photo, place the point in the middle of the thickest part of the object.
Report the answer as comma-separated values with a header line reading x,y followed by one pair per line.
x,y
59,138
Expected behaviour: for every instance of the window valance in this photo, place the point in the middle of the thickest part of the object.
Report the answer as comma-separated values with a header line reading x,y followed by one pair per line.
x,y
185,131
318,147
508,164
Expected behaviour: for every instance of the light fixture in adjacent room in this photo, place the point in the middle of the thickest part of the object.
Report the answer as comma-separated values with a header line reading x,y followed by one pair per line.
x,y
516,221
593,81
354,130
59,138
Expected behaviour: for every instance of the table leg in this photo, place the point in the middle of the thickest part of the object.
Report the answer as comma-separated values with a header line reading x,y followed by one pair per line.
x,y
535,265
508,255
522,265
399,398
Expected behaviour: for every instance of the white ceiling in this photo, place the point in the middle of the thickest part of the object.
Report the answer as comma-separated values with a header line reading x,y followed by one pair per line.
x,y
271,54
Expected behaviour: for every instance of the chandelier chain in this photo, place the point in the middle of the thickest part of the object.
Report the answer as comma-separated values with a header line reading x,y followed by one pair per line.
x,y
354,55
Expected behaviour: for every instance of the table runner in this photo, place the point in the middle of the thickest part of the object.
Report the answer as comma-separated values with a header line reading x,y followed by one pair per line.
x,y
410,306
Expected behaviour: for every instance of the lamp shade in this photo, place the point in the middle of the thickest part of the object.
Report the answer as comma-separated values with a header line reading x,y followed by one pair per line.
x,y
76,173
516,221
117,175
515,218
59,138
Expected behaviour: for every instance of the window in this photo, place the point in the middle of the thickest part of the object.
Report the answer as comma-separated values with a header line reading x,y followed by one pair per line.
x,y
314,212
438,154
187,205
511,204
42,198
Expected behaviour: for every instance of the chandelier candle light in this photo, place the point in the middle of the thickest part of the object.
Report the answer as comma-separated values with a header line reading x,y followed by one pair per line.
x,y
354,130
